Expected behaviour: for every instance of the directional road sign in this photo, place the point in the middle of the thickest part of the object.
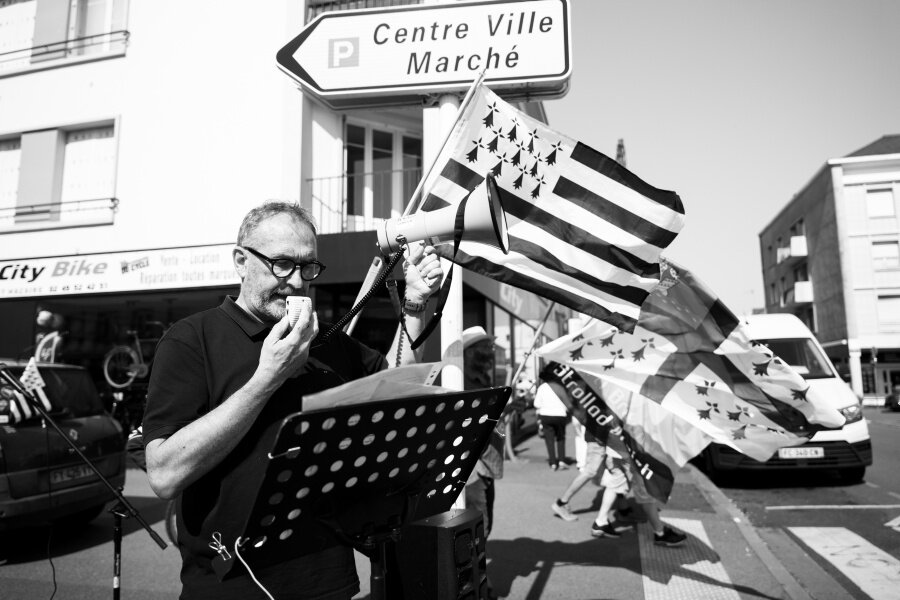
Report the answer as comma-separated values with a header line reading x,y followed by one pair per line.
x,y
392,56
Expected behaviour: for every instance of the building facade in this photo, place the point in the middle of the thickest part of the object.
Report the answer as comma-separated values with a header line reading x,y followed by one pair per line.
x,y
134,136
832,257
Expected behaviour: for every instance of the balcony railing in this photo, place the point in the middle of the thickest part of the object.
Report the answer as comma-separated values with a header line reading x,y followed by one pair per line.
x,y
356,201
59,215
102,43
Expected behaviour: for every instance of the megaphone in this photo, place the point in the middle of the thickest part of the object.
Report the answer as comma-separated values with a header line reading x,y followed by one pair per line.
x,y
483,221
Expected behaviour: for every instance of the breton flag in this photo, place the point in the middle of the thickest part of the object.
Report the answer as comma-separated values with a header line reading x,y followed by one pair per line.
x,y
33,382
692,356
13,406
653,442
584,231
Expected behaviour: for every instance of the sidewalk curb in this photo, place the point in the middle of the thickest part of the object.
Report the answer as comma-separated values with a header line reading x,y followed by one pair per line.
x,y
725,507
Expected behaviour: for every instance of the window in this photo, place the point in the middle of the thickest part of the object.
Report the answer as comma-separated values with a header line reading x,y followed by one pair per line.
x,y
802,355
798,228
16,32
33,32
55,178
383,169
91,20
801,273
10,158
89,165
382,176
885,255
880,203
889,312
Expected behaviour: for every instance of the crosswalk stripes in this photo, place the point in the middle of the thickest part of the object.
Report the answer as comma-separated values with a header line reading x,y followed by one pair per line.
x,y
872,569
690,572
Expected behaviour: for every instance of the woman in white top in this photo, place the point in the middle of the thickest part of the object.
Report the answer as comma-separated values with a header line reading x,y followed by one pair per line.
x,y
553,415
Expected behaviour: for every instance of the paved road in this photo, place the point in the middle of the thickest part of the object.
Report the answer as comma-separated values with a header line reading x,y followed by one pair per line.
x,y
532,554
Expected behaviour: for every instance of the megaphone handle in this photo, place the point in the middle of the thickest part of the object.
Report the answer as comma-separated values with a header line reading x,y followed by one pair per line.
x,y
362,302
445,287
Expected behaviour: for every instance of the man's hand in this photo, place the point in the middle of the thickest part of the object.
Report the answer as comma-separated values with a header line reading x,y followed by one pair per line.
x,y
285,350
422,268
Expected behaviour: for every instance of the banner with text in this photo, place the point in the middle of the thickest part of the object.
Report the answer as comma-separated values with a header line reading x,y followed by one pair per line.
x,y
133,271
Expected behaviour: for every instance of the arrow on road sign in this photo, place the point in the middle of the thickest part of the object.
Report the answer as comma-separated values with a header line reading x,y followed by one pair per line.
x,y
395,55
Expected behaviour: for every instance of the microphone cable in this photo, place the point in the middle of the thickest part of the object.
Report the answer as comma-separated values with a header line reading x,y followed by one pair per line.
x,y
362,301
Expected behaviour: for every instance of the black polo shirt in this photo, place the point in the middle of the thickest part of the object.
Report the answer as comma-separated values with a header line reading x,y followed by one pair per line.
x,y
200,362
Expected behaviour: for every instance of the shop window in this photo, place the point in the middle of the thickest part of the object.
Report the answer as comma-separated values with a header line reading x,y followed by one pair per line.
x,y
885,255
880,203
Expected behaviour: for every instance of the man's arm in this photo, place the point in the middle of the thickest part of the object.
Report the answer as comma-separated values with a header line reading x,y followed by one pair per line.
x,y
176,461
423,272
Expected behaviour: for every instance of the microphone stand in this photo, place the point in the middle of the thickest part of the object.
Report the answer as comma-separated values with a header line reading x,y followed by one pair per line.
x,y
122,508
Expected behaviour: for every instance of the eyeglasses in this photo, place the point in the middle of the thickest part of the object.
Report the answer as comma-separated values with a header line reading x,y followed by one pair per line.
x,y
282,268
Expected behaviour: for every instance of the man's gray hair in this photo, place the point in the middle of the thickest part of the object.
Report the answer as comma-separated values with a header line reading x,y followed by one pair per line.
x,y
269,209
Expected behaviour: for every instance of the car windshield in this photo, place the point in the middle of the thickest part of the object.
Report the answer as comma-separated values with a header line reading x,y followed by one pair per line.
x,y
802,355
70,390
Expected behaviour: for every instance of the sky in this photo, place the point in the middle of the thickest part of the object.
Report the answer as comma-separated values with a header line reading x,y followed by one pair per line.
x,y
735,105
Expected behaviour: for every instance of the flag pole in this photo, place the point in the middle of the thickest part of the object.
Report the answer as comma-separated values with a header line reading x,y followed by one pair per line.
x,y
467,99
510,452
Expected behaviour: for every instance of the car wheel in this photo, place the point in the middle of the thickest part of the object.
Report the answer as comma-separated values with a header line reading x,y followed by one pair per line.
x,y
852,474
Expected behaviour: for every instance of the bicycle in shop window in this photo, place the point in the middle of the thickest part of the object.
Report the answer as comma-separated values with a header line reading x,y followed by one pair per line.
x,y
125,363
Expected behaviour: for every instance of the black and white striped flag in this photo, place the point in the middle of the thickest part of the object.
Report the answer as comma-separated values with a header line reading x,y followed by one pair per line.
x,y
584,231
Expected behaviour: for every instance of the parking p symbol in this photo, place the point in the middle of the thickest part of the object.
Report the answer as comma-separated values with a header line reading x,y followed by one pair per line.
x,y
342,52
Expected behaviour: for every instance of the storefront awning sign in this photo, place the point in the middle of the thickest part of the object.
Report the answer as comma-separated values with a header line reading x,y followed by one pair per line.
x,y
140,270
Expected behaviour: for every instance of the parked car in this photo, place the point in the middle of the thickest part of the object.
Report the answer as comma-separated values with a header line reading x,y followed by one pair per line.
x,y
847,450
41,478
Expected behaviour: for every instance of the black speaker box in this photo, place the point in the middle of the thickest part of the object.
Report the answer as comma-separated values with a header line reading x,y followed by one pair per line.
x,y
443,557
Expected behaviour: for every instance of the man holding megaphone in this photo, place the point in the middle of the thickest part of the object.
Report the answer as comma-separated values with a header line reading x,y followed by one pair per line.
x,y
222,382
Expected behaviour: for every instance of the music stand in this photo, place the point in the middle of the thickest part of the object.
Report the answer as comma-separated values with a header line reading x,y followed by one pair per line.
x,y
368,469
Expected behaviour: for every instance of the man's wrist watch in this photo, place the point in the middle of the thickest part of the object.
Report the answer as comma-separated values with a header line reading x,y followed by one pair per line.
x,y
414,307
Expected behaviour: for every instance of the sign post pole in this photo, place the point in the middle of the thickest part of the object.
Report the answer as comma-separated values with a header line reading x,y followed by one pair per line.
x,y
436,123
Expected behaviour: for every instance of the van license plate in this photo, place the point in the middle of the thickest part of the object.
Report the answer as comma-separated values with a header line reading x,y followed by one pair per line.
x,y
802,452
70,473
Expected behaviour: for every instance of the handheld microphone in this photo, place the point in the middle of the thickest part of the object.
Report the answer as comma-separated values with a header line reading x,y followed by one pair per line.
x,y
298,306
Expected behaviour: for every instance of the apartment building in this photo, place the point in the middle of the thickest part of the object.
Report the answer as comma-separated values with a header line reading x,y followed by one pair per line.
x,y
134,135
832,257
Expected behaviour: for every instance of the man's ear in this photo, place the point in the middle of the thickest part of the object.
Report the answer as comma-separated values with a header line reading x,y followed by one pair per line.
x,y
239,257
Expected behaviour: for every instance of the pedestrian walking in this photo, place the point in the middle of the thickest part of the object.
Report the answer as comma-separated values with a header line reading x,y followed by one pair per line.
x,y
553,416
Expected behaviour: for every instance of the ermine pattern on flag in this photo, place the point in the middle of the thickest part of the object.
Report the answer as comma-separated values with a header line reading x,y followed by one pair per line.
x,y
691,355
653,441
33,382
584,231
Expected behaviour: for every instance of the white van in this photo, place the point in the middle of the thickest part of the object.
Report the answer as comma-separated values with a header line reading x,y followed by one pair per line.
x,y
849,449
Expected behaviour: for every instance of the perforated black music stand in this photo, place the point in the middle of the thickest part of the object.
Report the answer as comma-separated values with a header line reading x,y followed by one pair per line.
x,y
366,470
